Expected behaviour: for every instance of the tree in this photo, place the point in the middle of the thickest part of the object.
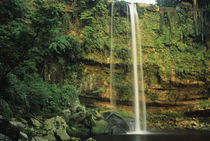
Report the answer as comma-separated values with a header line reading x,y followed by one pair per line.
x,y
168,3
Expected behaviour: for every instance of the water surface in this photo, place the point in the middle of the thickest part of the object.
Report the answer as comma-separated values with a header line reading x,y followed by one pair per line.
x,y
158,136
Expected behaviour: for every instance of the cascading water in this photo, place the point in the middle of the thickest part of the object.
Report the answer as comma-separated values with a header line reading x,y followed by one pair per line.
x,y
139,97
139,101
112,97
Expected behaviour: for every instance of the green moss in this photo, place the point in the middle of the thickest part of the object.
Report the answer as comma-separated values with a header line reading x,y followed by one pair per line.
x,y
153,97
205,104
125,114
77,130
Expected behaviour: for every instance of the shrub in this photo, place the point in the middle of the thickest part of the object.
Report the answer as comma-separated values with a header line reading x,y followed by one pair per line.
x,y
68,95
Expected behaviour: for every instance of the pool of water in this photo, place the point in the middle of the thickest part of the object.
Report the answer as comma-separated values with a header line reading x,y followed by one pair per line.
x,y
158,136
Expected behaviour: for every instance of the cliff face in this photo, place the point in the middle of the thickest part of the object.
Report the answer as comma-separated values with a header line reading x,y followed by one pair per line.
x,y
175,58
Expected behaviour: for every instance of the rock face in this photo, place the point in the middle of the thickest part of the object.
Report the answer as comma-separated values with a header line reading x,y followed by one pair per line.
x,y
179,123
174,76
198,111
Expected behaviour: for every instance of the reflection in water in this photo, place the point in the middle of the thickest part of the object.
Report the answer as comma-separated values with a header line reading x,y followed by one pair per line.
x,y
137,138
165,136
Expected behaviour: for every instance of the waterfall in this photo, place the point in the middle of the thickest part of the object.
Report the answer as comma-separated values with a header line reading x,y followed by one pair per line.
x,y
112,97
139,97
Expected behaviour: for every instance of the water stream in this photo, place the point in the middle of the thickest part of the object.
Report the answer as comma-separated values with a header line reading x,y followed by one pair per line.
x,y
112,97
139,97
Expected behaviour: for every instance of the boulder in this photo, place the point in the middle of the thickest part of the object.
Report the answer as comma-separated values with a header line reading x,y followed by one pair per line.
x,y
79,113
100,127
66,114
45,138
117,125
57,126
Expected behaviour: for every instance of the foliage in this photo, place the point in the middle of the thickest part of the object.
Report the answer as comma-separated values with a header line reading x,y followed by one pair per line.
x,y
45,22
33,95
168,3
125,114
12,10
13,48
5,109
120,8
122,53
68,95
153,97
67,47
91,39
158,116
205,104
124,89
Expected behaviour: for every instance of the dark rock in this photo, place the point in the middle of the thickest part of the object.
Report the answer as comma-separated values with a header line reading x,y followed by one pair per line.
x,y
117,125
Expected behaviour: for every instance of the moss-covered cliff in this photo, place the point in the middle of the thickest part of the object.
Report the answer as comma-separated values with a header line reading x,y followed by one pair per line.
x,y
175,58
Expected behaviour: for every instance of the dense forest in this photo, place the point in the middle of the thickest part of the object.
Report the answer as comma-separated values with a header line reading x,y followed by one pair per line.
x,y
53,53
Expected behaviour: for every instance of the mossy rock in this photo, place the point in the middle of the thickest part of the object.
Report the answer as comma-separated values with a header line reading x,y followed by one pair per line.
x,y
101,127
77,129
